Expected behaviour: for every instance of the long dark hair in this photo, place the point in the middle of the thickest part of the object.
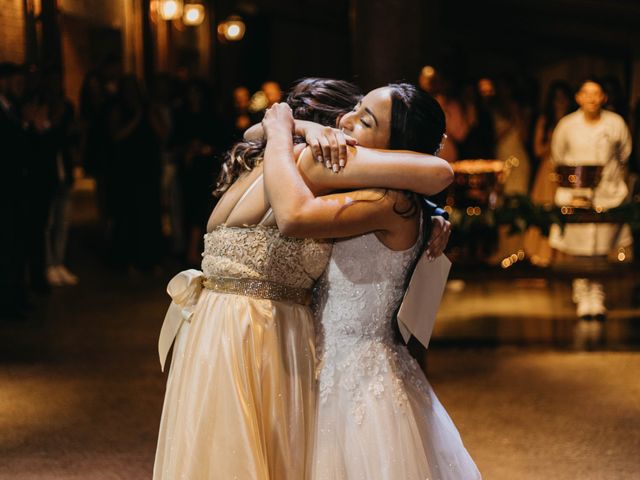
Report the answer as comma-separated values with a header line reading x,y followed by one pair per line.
x,y
549,112
319,100
417,119
418,124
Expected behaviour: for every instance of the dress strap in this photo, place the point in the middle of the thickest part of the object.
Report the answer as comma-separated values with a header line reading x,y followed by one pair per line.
x,y
268,214
248,190
244,195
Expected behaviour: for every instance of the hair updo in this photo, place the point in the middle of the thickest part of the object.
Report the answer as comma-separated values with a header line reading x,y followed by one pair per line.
x,y
319,100
322,100
417,120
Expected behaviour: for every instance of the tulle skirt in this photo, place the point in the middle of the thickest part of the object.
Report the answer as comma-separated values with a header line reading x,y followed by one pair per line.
x,y
240,397
379,419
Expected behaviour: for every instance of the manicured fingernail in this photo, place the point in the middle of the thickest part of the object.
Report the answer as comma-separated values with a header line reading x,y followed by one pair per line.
x,y
341,162
327,164
336,168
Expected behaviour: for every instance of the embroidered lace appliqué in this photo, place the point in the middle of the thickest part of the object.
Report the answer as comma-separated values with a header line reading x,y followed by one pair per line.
x,y
355,301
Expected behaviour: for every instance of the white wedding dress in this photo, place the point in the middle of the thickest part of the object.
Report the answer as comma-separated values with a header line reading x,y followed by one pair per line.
x,y
377,416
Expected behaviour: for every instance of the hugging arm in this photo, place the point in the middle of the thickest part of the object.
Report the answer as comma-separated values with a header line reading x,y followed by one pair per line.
x,y
366,167
299,212
402,170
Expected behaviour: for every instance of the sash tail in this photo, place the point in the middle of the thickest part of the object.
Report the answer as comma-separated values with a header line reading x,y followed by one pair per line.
x,y
184,290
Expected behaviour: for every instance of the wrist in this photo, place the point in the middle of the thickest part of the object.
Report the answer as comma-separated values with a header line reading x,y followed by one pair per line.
x,y
280,135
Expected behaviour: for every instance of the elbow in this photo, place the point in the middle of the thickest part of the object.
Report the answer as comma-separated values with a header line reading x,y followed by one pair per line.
x,y
441,178
290,225
447,175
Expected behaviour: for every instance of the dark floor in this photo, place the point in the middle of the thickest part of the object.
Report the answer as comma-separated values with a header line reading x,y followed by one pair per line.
x,y
81,388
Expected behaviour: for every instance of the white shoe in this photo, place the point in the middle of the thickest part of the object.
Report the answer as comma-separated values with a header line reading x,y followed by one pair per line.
x,y
66,276
53,277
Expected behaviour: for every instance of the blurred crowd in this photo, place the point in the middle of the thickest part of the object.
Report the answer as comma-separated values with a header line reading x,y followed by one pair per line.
x,y
509,116
155,155
155,152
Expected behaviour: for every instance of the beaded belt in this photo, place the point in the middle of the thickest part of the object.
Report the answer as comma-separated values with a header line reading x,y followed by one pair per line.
x,y
259,289
582,176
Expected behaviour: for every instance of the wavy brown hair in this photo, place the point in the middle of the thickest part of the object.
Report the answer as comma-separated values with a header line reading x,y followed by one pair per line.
x,y
319,100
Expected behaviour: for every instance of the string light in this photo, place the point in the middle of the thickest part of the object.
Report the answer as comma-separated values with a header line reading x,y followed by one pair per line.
x,y
170,9
232,29
193,14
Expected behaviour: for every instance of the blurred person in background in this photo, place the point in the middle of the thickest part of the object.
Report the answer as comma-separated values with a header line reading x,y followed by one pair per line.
x,y
480,140
434,83
195,141
134,173
591,136
241,114
558,103
95,143
161,105
43,119
511,134
59,145
14,302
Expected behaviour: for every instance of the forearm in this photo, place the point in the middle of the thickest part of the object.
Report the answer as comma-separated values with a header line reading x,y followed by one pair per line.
x,y
286,191
256,132
399,170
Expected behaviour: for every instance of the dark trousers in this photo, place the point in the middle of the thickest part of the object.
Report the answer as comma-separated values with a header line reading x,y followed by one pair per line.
x,y
38,208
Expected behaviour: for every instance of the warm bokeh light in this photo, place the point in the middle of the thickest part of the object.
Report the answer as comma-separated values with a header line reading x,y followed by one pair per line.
x,y
232,29
170,9
428,71
193,14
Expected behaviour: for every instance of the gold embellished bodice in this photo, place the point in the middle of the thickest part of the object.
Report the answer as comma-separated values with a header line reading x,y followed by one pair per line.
x,y
262,253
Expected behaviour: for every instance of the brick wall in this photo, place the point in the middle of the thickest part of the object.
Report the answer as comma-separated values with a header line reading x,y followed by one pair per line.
x,y
12,38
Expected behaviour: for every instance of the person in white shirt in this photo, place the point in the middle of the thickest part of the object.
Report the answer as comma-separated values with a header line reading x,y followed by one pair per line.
x,y
591,136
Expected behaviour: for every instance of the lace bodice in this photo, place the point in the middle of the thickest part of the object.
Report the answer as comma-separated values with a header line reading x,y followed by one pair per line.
x,y
355,300
361,288
261,252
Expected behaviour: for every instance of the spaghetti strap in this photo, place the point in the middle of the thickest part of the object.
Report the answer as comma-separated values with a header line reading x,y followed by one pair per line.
x,y
268,214
244,195
247,191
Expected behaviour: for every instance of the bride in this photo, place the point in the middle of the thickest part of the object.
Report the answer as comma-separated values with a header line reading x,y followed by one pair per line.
x,y
377,416
240,398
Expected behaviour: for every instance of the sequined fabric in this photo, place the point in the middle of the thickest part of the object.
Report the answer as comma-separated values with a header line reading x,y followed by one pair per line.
x,y
260,252
378,417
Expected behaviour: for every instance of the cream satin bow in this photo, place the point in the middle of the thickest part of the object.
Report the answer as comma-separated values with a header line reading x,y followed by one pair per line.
x,y
184,290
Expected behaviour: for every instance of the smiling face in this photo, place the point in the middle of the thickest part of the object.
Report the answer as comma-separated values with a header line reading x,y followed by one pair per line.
x,y
370,120
590,97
